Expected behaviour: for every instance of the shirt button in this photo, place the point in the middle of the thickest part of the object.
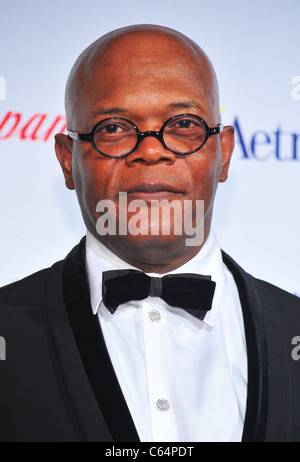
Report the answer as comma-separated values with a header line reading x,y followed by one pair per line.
x,y
163,404
154,315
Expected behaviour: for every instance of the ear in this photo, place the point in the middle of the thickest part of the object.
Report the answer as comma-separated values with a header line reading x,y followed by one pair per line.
x,y
227,145
63,149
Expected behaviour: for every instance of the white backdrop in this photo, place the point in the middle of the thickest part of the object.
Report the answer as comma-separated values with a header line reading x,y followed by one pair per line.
x,y
254,47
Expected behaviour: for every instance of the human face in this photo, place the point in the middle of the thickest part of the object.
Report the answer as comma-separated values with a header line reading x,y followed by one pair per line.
x,y
146,82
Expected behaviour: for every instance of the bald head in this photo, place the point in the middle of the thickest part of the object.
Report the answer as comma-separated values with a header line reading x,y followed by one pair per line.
x,y
145,48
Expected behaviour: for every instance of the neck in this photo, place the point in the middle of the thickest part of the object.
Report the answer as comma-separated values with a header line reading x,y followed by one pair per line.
x,y
159,256
153,261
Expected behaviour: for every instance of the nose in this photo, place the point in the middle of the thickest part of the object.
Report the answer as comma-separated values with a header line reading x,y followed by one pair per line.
x,y
150,150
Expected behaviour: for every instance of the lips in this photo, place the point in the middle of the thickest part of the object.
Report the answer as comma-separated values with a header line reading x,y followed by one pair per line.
x,y
151,191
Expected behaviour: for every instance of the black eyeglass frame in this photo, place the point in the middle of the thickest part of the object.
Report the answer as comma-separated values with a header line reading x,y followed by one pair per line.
x,y
210,131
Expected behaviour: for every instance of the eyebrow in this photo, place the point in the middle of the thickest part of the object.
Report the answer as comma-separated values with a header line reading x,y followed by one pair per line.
x,y
187,104
107,111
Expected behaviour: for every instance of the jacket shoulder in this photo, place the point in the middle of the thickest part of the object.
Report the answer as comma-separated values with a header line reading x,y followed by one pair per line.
x,y
272,297
281,295
26,291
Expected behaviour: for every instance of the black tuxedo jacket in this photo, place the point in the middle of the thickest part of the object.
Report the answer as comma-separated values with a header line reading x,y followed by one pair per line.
x,y
57,383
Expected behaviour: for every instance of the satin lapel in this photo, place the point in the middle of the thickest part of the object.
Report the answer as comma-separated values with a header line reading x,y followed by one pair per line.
x,y
257,397
92,348
78,389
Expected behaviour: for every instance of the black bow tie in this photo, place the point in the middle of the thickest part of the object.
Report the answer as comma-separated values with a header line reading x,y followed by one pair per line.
x,y
191,292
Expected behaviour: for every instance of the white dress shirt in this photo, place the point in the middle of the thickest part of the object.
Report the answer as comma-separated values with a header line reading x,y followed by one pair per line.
x,y
183,379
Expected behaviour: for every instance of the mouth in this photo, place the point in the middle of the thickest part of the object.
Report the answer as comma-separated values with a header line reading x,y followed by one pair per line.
x,y
153,191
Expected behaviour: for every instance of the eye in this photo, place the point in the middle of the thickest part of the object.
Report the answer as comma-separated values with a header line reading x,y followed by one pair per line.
x,y
185,126
185,123
111,129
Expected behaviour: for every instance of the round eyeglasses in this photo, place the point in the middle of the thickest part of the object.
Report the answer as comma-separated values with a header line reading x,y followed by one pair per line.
x,y
117,137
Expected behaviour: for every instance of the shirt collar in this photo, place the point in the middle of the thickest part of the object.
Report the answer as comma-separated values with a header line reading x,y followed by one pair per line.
x,y
208,261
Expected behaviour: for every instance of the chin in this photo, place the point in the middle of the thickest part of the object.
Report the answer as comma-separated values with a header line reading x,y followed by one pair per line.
x,y
150,249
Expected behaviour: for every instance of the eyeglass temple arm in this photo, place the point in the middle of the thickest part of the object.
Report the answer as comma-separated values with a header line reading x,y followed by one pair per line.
x,y
215,130
78,137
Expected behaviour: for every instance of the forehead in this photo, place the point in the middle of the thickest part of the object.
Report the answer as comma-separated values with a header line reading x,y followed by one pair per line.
x,y
143,70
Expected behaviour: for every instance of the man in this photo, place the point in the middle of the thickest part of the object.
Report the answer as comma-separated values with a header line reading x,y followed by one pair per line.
x,y
200,352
